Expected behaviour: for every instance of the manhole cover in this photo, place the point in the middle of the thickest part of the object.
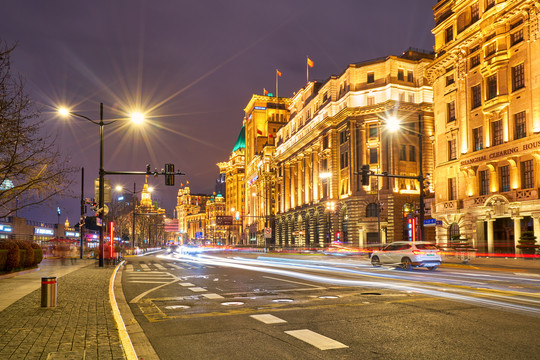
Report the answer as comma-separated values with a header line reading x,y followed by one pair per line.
x,y
232,303
370,293
282,300
174,307
329,297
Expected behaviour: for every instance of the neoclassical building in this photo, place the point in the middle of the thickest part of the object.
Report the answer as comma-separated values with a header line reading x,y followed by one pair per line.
x,y
334,128
487,121
191,214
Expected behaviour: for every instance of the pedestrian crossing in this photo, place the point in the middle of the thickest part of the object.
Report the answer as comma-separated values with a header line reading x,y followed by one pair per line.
x,y
155,266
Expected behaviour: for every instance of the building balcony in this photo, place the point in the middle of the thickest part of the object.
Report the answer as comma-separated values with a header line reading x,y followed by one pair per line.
x,y
448,206
512,196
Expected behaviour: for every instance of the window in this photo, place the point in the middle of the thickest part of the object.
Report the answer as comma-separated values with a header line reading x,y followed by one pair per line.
x,y
370,77
401,97
452,154
474,12
518,77
484,182
344,160
411,98
452,189
497,132
504,178
449,34
516,37
476,96
527,179
373,156
372,210
372,131
410,77
325,142
449,79
412,153
400,75
343,136
475,60
491,49
370,100
520,125
478,139
453,231
403,153
490,4
451,111
491,87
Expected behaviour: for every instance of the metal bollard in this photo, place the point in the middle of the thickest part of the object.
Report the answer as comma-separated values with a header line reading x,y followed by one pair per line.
x,y
48,291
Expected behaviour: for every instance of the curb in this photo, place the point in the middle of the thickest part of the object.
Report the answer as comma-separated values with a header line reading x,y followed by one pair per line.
x,y
10,275
127,345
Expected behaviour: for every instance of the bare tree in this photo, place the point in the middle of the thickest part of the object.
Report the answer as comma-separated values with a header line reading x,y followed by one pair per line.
x,y
32,170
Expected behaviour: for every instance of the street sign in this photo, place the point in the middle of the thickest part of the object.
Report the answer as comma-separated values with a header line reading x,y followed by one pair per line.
x,y
429,222
267,233
222,220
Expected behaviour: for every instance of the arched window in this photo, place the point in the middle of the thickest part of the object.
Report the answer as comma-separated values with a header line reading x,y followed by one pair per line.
x,y
453,231
371,210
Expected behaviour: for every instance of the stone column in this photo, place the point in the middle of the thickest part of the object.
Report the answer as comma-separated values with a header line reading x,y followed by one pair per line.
x,y
517,233
490,243
536,226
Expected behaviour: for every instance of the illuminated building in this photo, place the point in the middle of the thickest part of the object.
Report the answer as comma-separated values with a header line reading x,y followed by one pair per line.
x,y
264,116
150,218
191,214
487,121
234,171
219,234
337,126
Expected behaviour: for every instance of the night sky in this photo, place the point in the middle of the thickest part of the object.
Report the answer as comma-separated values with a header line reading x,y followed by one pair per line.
x,y
192,66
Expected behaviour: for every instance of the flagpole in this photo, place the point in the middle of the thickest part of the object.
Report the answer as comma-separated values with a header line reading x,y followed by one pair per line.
x,y
307,70
276,84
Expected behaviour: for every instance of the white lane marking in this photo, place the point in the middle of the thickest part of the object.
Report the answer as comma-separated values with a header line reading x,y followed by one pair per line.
x,y
147,282
294,282
197,289
140,296
212,296
145,267
129,267
160,267
319,341
176,267
187,284
209,266
268,319
150,277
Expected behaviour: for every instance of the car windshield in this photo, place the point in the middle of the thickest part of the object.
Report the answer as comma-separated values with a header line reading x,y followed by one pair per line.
x,y
426,247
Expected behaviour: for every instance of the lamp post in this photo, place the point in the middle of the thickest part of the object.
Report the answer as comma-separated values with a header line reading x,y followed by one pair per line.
x,y
135,117
393,124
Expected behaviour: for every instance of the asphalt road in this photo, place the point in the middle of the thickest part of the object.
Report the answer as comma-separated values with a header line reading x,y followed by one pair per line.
x,y
245,306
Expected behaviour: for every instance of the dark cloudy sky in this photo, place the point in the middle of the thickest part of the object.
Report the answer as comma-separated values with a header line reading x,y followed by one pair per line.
x,y
193,65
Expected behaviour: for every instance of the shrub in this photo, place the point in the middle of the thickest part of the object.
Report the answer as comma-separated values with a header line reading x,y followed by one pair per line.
x,y
13,256
3,259
38,253
28,260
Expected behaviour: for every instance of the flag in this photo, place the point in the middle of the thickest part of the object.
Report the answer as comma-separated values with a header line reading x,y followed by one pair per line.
x,y
259,132
310,62
265,92
278,73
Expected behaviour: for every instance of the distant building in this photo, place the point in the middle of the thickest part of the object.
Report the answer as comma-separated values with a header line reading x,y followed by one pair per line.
x,y
191,214
487,121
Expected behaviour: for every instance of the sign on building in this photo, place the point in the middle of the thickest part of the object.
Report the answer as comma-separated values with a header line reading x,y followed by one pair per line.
x,y
222,220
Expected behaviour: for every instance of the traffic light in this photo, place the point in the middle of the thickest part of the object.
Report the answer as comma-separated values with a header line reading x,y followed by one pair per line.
x,y
365,175
169,174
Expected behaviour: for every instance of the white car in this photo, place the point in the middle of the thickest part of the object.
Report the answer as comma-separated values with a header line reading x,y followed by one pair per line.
x,y
407,254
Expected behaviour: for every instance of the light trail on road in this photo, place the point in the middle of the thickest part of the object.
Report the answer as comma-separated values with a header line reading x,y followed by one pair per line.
x,y
442,285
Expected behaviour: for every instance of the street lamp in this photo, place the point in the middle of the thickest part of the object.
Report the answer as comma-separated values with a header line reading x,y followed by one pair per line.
x,y
134,201
136,117
393,124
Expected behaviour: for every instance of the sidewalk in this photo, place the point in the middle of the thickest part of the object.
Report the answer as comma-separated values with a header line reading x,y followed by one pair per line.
x,y
530,265
81,326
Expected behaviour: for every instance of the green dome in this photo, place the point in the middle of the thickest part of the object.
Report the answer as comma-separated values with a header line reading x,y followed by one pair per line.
x,y
241,141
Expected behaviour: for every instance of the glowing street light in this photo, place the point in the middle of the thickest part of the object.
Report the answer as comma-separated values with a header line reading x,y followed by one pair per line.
x,y
66,112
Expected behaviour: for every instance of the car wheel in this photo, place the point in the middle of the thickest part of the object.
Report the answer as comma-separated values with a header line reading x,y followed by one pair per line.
x,y
406,263
375,261
431,268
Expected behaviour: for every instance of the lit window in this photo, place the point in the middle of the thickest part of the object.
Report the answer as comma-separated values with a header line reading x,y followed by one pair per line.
x,y
518,77
520,124
527,172
504,178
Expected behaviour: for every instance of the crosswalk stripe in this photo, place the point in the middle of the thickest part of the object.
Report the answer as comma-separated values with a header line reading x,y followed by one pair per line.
x,y
187,284
145,267
197,289
129,267
176,267
268,319
212,296
319,341
160,267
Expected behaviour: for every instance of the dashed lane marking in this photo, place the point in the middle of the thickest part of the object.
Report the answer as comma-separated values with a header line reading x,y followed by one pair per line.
x,y
160,267
268,319
187,284
197,289
319,341
212,296
145,267
129,267
176,267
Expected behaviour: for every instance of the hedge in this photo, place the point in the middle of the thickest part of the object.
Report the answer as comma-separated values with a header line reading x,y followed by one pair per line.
x,y
15,254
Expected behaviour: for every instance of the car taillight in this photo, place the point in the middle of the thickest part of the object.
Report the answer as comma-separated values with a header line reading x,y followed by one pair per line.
x,y
418,252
